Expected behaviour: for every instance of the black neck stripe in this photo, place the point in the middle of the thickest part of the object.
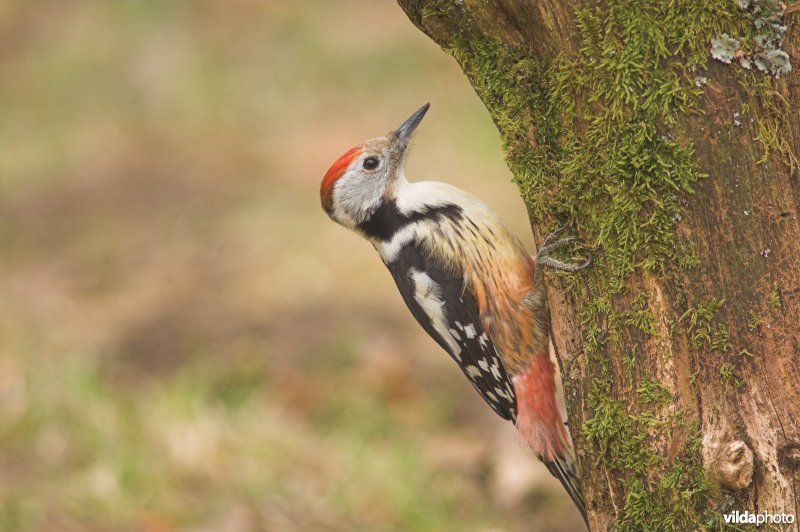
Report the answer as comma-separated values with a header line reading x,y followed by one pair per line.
x,y
388,220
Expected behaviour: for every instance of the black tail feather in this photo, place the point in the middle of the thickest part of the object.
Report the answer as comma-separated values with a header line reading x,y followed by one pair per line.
x,y
571,482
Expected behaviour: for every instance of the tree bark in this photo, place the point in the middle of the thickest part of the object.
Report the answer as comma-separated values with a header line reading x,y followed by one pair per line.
x,y
679,349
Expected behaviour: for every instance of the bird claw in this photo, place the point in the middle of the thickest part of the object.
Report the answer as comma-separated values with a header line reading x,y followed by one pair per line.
x,y
555,264
548,247
555,234
552,243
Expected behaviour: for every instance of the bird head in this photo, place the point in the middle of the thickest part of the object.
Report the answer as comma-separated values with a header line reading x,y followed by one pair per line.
x,y
366,175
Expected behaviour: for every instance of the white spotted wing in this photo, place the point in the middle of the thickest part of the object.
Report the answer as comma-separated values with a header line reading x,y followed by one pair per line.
x,y
443,304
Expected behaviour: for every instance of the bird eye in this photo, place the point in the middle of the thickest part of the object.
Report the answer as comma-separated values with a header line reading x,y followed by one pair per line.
x,y
370,163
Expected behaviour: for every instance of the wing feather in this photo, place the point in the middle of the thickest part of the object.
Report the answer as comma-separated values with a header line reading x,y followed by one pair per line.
x,y
442,302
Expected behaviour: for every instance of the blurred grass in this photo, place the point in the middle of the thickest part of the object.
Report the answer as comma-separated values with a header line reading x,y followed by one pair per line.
x,y
186,342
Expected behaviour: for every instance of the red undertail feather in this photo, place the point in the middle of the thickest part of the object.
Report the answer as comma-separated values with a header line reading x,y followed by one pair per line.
x,y
539,423
335,172
538,419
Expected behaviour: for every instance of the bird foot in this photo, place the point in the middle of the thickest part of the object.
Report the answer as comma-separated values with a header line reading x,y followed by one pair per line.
x,y
552,243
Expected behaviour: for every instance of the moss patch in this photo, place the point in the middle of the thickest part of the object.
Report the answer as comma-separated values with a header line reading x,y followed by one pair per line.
x,y
702,330
679,500
754,321
727,373
653,392
775,297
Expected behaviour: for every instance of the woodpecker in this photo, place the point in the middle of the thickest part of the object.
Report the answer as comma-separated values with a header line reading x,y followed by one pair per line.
x,y
468,282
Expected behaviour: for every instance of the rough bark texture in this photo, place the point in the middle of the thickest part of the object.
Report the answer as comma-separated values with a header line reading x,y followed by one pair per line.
x,y
679,350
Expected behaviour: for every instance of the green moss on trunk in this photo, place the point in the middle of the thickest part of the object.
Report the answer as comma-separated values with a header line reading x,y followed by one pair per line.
x,y
591,141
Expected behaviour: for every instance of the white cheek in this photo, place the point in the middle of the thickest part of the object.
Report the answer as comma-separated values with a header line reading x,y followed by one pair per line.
x,y
343,217
356,196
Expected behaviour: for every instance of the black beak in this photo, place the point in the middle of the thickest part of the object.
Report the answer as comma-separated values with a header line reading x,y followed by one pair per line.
x,y
406,129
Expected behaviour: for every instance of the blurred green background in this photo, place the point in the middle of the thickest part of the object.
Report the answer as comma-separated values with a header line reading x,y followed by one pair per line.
x,y
186,341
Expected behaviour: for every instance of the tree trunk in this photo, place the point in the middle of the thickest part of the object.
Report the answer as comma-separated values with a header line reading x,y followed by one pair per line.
x,y
679,347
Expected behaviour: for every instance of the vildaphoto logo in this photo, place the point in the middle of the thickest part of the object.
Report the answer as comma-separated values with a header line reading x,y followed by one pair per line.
x,y
763,518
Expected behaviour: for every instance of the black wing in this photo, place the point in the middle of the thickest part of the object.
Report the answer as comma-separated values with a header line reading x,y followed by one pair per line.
x,y
447,310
